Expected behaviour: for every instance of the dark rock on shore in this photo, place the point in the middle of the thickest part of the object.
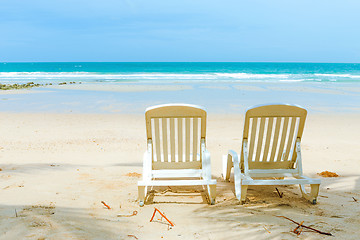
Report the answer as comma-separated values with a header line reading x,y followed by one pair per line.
x,y
27,85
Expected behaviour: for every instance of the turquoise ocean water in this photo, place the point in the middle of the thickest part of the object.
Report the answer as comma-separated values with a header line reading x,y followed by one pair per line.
x,y
178,72
219,87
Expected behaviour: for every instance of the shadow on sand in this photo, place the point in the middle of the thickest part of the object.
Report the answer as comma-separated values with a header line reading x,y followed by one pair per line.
x,y
336,212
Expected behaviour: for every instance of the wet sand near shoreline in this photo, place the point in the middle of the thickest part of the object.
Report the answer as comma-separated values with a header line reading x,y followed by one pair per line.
x,y
222,98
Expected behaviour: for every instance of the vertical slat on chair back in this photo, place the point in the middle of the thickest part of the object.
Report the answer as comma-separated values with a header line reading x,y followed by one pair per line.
x,y
271,131
176,131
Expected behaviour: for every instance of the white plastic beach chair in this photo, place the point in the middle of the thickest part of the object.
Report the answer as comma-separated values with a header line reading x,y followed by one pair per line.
x,y
270,149
176,149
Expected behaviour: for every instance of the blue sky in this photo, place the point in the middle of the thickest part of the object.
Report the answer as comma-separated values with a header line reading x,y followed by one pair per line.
x,y
180,30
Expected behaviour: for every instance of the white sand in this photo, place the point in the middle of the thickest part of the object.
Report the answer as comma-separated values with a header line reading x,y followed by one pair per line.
x,y
57,168
19,91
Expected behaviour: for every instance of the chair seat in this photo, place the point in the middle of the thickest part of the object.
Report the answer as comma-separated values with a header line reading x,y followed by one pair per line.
x,y
250,181
177,182
177,173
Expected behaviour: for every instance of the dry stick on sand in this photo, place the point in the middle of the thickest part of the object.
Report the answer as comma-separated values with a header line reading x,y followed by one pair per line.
x,y
166,190
304,226
355,200
296,229
130,215
162,216
280,194
266,229
130,235
107,206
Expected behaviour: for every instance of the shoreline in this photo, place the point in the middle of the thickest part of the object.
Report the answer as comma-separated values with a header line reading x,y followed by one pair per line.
x,y
216,98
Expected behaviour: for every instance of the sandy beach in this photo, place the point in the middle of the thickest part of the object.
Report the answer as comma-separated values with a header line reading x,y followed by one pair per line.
x,y
57,168
76,78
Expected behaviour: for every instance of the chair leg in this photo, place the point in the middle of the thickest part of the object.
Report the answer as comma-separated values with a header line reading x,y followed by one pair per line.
x,y
237,183
227,165
243,193
314,192
240,191
142,195
212,193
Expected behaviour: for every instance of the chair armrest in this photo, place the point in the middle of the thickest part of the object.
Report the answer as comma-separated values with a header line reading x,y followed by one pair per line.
x,y
298,156
229,160
147,162
234,156
206,164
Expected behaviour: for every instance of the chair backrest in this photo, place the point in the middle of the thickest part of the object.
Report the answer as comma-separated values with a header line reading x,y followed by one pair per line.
x,y
176,131
271,132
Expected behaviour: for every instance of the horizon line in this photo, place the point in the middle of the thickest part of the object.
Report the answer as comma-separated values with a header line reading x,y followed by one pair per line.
x,y
176,62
